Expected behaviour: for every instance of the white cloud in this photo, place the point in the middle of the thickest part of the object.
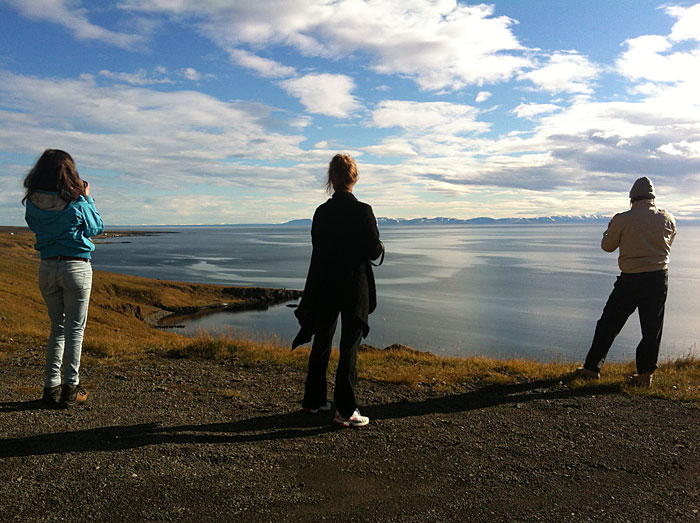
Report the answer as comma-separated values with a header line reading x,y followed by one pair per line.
x,y
159,75
646,58
328,94
64,12
263,66
146,136
532,109
482,96
589,146
392,147
140,77
663,59
606,145
428,117
191,74
564,72
441,44
683,148
688,25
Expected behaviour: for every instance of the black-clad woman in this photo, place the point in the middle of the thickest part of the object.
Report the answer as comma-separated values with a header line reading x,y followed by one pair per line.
x,y
340,281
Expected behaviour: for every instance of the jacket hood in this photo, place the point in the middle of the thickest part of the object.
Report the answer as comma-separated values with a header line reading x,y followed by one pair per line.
x,y
48,201
642,189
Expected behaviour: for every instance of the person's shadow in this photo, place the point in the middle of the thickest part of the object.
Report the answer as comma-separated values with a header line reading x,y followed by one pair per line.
x,y
273,427
485,397
22,406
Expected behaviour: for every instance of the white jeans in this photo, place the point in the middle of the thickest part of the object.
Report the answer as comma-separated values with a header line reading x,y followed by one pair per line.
x,y
65,286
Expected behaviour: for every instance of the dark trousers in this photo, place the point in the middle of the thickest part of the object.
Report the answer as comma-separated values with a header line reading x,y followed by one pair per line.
x,y
346,374
646,292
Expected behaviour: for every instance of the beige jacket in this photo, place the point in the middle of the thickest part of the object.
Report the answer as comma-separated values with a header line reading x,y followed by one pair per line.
x,y
644,235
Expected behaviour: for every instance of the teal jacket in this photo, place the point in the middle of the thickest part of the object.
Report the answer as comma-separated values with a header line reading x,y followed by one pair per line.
x,y
62,228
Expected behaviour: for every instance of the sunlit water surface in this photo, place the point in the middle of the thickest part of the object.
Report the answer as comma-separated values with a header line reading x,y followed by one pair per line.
x,y
518,290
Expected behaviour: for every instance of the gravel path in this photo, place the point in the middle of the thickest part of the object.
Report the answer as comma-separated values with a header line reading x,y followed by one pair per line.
x,y
184,440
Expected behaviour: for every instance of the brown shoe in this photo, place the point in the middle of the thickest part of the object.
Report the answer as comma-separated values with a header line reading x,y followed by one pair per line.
x,y
581,373
51,396
74,395
640,380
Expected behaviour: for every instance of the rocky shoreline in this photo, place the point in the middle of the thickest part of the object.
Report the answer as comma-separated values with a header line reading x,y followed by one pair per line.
x,y
251,298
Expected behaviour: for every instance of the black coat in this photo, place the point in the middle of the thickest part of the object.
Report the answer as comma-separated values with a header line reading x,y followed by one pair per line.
x,y
345,238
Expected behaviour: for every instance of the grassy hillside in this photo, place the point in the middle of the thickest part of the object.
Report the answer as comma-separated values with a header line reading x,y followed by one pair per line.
x,y
121,305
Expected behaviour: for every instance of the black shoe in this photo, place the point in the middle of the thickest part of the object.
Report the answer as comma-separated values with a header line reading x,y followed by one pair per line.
x,y
73,395
580,373
51,396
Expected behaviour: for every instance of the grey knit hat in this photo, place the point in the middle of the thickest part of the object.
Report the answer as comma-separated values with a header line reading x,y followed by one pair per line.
x,y
642,189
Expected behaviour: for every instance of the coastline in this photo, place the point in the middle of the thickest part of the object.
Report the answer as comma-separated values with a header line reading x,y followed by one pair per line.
x,y
141,297
238,298
126,310
251,298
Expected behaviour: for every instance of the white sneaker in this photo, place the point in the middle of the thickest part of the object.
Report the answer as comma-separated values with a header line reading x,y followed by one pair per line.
x,y
356,420
323,408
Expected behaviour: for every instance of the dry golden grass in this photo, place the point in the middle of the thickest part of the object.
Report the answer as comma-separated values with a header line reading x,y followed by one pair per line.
x,y
116,332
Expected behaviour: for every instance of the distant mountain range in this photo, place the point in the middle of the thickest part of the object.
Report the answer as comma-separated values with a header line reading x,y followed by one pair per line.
x,y
592,218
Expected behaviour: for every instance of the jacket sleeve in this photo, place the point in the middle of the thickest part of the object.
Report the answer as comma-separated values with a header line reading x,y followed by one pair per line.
x,y
92,222
671,225
375,248
611,237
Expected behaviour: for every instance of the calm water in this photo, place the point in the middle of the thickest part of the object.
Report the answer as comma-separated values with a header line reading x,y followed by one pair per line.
x,y
527,290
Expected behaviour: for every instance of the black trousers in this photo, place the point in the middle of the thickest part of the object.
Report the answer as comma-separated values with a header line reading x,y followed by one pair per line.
x,y
315,393
646,292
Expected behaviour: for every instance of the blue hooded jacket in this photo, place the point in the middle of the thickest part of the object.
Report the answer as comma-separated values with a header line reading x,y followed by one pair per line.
x,y
62,228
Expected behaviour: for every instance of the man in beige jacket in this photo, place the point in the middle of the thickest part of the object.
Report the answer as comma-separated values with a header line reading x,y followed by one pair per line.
x,y
644,235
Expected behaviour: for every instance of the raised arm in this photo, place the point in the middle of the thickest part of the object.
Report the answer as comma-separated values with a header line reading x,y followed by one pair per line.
x,y
611,237
91,221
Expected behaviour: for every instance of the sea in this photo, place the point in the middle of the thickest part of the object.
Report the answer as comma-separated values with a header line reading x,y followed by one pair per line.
x,y
523,290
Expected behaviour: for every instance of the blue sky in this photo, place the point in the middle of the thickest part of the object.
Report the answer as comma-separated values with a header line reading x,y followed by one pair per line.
x,y
225,111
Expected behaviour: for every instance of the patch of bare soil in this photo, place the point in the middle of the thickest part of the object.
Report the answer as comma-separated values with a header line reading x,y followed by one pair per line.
x,y
184,440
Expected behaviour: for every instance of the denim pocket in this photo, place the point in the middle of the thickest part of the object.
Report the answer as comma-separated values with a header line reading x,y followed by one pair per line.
x,y
44,276
76,275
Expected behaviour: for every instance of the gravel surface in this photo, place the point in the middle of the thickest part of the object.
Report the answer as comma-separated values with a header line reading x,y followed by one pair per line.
x,y
185,440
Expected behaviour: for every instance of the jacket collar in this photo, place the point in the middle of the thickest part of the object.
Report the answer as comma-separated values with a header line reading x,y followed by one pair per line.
x,y
645,204
343,195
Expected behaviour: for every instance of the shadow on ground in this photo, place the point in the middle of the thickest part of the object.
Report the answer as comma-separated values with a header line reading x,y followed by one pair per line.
x,y
273,427
24,406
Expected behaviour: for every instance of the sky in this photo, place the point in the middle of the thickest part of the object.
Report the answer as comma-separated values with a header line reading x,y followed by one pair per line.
x,y
228,111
